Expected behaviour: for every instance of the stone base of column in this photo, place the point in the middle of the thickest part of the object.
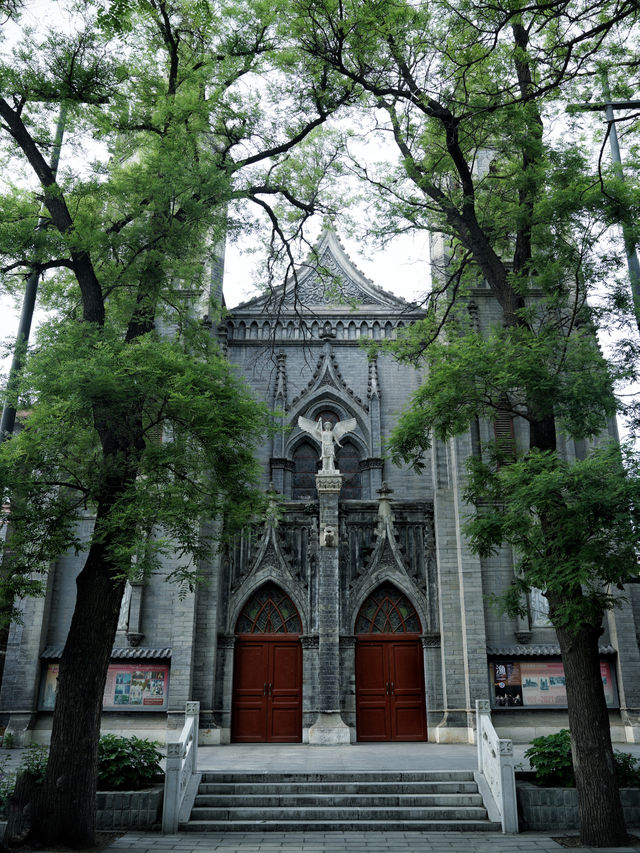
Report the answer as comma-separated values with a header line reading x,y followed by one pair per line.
x,y
452,729
329,729
19,730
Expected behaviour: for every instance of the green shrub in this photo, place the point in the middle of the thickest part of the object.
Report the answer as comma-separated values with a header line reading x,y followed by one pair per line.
x,y
7,784
550,758
628,769
126,763
34,761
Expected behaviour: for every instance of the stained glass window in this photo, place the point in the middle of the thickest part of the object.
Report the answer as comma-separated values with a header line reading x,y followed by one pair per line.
x,y
269,611
387,611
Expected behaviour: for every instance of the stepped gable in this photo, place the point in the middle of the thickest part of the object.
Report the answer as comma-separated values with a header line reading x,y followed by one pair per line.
x,y
339,282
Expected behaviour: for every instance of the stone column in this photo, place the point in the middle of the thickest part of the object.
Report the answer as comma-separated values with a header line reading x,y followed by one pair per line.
x,y
329,728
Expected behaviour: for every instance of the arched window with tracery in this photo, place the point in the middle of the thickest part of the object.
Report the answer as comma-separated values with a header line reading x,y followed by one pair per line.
x,y
387,611
269,611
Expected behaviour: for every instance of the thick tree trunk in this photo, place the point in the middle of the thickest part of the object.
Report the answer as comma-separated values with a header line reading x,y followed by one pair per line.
x,y
601,816
62,810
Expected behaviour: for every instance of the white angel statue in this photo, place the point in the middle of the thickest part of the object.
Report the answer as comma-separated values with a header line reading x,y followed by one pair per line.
x,y
328,437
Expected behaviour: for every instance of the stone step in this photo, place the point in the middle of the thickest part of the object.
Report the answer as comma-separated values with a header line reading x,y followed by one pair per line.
x,y
339,826
342,798
435,801
345,813
210,776
350,787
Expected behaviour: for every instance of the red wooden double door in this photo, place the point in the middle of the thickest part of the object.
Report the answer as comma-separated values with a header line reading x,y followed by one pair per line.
x,y
267,695
390,701
267,680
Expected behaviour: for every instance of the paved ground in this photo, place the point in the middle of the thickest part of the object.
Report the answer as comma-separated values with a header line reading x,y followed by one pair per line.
x,y
302,758
346,842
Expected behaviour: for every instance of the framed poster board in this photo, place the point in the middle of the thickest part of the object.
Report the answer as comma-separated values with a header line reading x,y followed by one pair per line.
x,y
130,686
539,684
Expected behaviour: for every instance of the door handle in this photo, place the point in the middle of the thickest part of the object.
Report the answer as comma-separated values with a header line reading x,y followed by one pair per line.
x,y
264,689
270,689
393,690
386,687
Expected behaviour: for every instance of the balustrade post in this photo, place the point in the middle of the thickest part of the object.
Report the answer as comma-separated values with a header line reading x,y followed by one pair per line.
x,y
171,806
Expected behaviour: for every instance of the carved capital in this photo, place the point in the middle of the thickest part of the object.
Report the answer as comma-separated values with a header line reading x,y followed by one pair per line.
x,y
134,638
174,749
523,637
310,641
506,746
226,641
430,641
331,483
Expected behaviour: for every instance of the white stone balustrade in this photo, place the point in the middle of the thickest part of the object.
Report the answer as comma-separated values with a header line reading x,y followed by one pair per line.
x,y
182,765
496,765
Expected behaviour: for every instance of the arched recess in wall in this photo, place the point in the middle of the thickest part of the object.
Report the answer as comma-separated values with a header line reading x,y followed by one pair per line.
x,y
267,672
348,463
305,461
390,697
387,610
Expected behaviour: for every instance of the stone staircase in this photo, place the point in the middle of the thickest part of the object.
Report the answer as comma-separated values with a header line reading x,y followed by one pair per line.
x,y
322,802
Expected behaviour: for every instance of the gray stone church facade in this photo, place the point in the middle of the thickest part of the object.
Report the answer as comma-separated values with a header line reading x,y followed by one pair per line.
x,y
353,612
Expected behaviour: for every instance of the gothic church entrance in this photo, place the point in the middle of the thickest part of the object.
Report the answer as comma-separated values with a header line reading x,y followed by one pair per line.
x,y
390,698
267,678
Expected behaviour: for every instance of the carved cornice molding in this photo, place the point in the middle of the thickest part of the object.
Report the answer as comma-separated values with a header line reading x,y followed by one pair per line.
x,y
281,462
373,462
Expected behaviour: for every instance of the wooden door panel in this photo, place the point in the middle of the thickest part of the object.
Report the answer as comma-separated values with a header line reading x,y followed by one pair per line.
x,y
249,723
249,707
407,706
267,691
406,666
372,714
390,703
285,692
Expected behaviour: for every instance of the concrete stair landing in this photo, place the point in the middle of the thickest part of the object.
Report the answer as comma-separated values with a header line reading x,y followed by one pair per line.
x,y
322,802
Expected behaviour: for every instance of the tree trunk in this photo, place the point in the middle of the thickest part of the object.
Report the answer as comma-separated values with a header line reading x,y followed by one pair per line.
x,y
601,816
62,809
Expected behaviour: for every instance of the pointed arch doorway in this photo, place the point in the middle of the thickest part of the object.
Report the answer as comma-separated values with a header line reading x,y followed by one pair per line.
x,y
390,697
267,672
